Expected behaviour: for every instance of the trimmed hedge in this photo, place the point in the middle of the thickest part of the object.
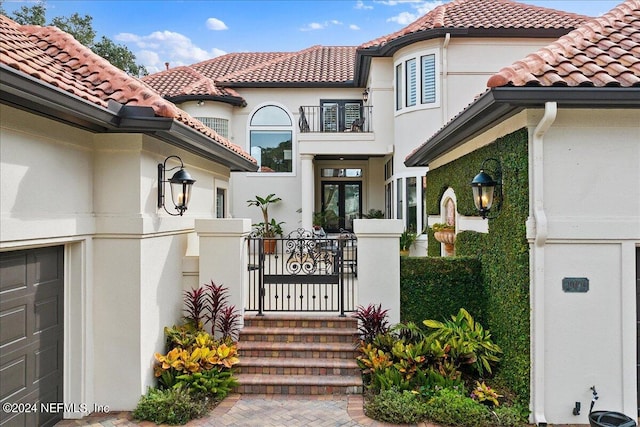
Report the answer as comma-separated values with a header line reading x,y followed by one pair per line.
x,y
436,288
503,252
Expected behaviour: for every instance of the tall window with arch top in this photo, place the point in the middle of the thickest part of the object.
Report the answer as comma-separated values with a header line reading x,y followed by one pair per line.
x,y
270,136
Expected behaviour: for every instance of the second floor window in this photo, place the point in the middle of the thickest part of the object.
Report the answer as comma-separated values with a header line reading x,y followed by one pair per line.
x,y
416,82
270,136
340,115
221,126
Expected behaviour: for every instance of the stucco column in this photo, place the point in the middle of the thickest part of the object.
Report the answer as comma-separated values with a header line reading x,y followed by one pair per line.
x,y
223,256
379,264
307,193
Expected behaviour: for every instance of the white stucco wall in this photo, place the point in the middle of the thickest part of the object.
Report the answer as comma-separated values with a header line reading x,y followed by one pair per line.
x,y
96,194
245,186
465,66
592,203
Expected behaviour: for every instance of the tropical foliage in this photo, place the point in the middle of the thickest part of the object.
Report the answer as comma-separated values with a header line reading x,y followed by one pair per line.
x,y
412,373
196,370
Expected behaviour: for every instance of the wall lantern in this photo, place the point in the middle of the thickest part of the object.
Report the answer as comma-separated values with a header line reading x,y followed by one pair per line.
x,y
486,191
181,183
365,95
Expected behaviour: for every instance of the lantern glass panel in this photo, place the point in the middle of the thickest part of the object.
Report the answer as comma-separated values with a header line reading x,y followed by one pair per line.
x,y
483,197
180,194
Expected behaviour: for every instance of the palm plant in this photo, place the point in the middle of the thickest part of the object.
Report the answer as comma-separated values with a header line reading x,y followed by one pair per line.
x,y
267,228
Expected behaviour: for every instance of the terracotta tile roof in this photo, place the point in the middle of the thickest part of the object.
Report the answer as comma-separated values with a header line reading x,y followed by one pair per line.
x,y
485,14
56,58
602,52
232,62
180,81
218,76
317,64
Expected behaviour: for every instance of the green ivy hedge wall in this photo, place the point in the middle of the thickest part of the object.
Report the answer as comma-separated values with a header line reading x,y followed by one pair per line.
x,y
436,288
503,254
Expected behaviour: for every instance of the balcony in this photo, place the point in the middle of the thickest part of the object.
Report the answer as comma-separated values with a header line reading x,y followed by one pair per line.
x,y
335,117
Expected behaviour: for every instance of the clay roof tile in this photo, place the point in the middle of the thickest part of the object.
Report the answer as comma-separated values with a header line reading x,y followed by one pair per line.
x,y
603,52
56,58
497,14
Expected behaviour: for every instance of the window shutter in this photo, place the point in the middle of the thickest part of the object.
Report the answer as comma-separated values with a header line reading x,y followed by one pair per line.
x,y
351,113
399,87
428,79
412,83
330,117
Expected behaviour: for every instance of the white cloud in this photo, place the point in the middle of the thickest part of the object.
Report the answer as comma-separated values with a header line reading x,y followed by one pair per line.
x,y
360,5
216,25
354,27
421,8
397,2
218,52
403,18
154,49
314,26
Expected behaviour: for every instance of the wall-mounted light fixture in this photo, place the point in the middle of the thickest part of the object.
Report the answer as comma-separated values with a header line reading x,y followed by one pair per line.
x,y
181,183
487,192
365,95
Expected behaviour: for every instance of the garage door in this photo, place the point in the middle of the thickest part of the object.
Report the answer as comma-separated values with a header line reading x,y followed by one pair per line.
x,y
31,335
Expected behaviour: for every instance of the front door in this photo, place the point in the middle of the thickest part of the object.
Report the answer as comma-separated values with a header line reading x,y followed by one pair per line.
x,y
341,204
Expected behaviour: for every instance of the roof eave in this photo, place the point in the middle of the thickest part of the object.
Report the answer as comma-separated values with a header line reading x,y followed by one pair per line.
x,y
30,94
193,141
343,84
236,101
498,104
364,55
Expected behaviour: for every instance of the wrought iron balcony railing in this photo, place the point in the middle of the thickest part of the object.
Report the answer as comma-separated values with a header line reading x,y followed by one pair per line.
x,y
330,118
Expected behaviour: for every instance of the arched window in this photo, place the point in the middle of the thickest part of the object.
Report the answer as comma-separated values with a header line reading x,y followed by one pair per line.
x,y
271,139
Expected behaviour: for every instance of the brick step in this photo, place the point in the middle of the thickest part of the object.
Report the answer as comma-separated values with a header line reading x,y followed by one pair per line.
x,y
300,334
298,384
293,321
296,350
299,366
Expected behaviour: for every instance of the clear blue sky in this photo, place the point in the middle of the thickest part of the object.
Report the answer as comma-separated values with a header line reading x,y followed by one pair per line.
x,y
188,31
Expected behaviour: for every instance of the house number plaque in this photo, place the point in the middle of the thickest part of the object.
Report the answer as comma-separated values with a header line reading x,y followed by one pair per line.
x,y
575,284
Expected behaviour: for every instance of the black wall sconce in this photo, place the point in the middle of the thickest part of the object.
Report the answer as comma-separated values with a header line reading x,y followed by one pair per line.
x,y
365,95
181,183
487,192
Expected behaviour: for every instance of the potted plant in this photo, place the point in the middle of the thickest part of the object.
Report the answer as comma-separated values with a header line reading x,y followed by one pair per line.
x,y
374,214
407,238
446,234
268,229
325,219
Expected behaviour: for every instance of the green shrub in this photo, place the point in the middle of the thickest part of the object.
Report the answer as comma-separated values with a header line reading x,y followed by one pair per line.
x,y
175,406
436,287
451,408
393,406
512,416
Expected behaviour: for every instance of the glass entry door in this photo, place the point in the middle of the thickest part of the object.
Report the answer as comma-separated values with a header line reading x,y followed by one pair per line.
x,y
341,204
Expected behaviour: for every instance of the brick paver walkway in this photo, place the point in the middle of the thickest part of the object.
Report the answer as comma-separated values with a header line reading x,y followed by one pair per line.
x,y
262,411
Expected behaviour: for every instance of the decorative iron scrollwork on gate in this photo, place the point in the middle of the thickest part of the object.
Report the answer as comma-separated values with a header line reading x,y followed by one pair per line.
x,y
306,271
308,254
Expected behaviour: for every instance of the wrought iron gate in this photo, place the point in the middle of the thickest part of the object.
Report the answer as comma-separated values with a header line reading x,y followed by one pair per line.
x,y
304,271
